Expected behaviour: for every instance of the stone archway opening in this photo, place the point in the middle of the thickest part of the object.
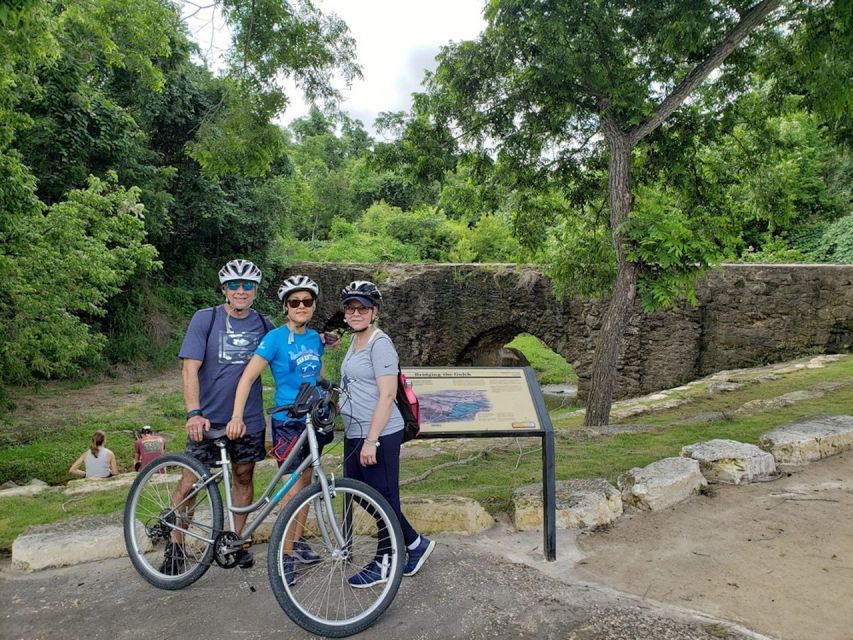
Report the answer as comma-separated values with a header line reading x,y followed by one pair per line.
x,y
511,346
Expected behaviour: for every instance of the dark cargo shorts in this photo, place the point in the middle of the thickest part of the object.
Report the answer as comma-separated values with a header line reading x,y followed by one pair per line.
x,y
249,448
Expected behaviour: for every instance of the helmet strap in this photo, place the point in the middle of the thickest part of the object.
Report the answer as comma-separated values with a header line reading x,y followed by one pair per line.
x,y
231,310
295,325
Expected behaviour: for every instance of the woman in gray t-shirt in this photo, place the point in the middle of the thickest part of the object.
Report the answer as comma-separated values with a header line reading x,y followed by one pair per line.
x,y
99,461
374,427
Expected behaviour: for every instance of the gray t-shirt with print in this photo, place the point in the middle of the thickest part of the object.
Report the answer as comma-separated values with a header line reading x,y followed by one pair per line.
x,y
359,372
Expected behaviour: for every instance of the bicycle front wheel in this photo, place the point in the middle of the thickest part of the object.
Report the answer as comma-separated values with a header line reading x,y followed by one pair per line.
x,y
171,520
328,586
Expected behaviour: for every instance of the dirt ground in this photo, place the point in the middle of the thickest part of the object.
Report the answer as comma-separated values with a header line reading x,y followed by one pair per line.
x,y
62,403
776,557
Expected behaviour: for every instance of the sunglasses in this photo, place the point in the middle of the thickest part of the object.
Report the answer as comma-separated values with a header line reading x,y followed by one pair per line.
x,y
233,285
359,310
293,303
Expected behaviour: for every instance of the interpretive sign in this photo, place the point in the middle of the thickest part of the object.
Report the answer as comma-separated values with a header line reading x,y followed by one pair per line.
x,y
465,402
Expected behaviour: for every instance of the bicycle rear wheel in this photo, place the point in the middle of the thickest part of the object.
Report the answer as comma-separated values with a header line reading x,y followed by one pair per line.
x,y
321,598
169,539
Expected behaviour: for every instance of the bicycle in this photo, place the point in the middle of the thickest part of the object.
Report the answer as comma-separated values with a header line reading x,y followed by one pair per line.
x,y
347,524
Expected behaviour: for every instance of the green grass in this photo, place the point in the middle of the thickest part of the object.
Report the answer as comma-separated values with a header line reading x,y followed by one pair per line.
x,y
46,450
550,367
490,479
16,514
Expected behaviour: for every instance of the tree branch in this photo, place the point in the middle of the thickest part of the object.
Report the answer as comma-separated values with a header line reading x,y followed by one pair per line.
x,y
749,21
431,470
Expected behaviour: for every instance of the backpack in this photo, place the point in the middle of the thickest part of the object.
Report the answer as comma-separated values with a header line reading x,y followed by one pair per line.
x,y
407,404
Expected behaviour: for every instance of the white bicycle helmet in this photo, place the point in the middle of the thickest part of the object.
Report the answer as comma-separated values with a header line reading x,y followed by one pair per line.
x,y
239,270
297,283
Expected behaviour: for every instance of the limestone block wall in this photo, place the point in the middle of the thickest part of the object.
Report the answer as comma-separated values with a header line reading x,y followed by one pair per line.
x,y
444,315
755,314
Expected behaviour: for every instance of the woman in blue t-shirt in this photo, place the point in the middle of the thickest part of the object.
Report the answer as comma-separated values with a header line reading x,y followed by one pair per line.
x,y
293,353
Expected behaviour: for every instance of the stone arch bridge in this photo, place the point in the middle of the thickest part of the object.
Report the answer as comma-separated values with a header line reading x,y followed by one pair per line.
x,y
747,315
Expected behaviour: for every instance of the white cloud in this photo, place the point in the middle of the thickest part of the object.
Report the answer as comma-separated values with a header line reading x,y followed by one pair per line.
x,y
395,41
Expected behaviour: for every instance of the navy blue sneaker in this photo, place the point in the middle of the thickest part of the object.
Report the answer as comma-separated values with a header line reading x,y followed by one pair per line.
x,y
288,570
418,556
304,553
373,574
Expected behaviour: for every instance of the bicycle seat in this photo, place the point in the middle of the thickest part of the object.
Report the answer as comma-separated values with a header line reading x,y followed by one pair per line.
x,y
213,434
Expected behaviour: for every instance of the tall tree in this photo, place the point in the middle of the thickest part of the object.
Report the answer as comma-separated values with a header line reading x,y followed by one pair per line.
x,y
546,79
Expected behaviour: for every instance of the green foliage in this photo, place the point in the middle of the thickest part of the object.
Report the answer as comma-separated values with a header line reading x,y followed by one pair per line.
x,y
490,240
111,89
816,61
665,238
544,81
836,244
275,39
367,248
60,268
238,138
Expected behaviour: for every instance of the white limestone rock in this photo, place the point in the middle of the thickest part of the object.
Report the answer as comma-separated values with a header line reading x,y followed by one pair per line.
x,y
69,542
580,504
661,484
427,515
82,486
447,513
34,488
809,439
731,462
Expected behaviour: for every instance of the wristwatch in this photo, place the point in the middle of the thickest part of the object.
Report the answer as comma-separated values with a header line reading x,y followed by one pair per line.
x,y
375,443
193,412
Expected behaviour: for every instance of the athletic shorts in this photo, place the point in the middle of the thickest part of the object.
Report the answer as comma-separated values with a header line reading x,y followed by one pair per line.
x,y
249,448
285,431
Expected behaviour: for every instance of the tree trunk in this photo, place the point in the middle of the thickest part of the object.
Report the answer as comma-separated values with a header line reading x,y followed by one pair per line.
x,y
606,357
609,341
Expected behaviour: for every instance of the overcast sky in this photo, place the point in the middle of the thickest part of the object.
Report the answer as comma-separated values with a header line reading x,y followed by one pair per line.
x,y
395,41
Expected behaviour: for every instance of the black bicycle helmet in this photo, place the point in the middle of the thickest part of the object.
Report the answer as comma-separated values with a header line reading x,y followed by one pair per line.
x,y
363,291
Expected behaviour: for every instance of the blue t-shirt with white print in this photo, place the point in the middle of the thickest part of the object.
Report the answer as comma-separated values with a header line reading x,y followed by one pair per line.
x,y
294,358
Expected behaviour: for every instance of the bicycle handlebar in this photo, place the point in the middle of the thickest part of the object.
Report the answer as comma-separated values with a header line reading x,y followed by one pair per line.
x,y
310,399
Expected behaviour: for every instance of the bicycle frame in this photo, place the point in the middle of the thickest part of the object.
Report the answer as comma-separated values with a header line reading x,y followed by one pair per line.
x,y
266,503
